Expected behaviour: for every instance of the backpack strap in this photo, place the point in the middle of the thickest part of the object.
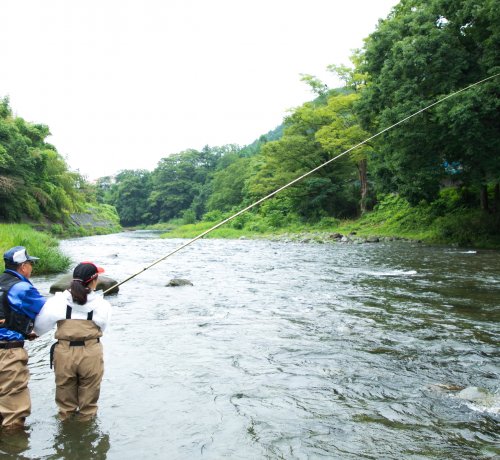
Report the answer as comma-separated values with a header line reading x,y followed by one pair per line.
x,y
90,314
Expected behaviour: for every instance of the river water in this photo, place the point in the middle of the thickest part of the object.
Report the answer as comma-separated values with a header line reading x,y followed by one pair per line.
x,y
284,350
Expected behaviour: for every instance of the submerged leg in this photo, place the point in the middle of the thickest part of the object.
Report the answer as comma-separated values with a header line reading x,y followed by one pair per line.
x,y
66,381
91,371
15,402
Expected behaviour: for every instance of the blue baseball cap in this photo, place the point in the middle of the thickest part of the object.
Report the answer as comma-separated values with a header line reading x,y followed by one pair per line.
x,y
17,255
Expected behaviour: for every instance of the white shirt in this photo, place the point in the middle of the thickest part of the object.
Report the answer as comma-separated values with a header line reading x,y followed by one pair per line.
x,y
54,310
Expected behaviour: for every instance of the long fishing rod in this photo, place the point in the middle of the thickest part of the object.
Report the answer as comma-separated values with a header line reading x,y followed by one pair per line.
x,y
298,179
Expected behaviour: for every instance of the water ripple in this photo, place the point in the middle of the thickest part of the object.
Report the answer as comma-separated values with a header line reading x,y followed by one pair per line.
x,y
289,351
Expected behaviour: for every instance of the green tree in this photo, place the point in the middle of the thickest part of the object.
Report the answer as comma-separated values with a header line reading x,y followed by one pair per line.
x,y
130,195
34,178
228,186
180,182
421,52
342,132
327,193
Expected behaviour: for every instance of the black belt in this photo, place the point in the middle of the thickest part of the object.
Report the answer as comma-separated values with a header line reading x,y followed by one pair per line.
x,y
72,343
12,344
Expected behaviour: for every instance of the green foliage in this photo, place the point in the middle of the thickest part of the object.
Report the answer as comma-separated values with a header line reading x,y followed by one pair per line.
x,y
424,50
186,184
421,52
188,216
129,193
227,185
328,223
314,133
95,219
255,147
35,181
214,216
178,181
37,243
57,229
447,220
469,228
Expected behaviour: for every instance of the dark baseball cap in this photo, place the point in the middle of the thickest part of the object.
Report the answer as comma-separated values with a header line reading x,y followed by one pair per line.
x,y
86,272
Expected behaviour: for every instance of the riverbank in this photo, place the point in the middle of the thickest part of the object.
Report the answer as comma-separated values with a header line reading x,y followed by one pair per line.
x,y
38,244
41,237
392,218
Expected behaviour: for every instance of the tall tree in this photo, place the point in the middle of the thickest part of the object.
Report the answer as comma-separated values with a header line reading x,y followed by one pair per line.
x,y
130,195
342,132
424,50
34,178
328,192
227,187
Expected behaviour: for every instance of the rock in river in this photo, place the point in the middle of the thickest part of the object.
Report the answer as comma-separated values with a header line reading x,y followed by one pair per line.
x,y
179,282
103,283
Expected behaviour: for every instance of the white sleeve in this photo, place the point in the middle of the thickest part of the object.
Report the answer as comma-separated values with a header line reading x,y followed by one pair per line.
x,y
46,320
102,314
108,314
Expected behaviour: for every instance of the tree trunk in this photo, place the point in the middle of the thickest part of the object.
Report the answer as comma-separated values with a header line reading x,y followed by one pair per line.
x,y
363,179
483,198
496,198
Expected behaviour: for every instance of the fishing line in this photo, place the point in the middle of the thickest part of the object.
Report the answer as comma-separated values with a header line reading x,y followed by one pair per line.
x,y
298,179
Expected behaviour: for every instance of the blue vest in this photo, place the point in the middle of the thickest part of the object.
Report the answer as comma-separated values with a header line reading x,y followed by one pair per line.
x,y
14,321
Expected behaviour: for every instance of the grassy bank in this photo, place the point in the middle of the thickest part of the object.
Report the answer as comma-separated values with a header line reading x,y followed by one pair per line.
x,y
445,221
38,244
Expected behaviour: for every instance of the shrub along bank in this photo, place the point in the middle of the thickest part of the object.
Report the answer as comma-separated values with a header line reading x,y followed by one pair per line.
x,y
445,221
37,243
41,237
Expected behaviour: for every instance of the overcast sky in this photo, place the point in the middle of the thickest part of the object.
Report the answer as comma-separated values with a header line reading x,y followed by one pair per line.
x,y
124,83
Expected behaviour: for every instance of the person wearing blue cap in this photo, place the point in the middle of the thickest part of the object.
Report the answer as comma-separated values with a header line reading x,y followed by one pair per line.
x,y
20,302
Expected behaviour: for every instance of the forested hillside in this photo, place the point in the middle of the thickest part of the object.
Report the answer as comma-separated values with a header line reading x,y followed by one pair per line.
x,y
36,184
443,164
34,178
447,157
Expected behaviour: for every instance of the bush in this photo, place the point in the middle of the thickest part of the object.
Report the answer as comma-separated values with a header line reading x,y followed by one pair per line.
x,y
188,216
213,216
328,223
468,228
240,222
56,229
38,244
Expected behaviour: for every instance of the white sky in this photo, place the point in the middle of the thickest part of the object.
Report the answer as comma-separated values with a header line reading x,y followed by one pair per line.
x,y
124,83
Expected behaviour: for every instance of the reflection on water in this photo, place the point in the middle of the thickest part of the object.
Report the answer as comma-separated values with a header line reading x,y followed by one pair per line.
x,y
286,351
75,439
13,444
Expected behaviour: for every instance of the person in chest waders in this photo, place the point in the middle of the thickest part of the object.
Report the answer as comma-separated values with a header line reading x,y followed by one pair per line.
x,y
20,302
81,316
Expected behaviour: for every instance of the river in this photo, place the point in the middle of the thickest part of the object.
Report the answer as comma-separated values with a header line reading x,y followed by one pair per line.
x,y
283,350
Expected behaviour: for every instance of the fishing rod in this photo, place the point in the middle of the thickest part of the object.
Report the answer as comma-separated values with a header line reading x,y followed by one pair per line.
x,y
298,179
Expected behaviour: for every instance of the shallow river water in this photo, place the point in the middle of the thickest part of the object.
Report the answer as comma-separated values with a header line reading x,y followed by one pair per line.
x,y
284,350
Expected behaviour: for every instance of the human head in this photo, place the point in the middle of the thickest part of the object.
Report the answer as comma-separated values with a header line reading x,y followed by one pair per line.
x,y
84,274
18,259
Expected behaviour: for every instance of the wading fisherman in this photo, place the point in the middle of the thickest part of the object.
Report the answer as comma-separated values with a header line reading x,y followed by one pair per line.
x,y
81,317
20,302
